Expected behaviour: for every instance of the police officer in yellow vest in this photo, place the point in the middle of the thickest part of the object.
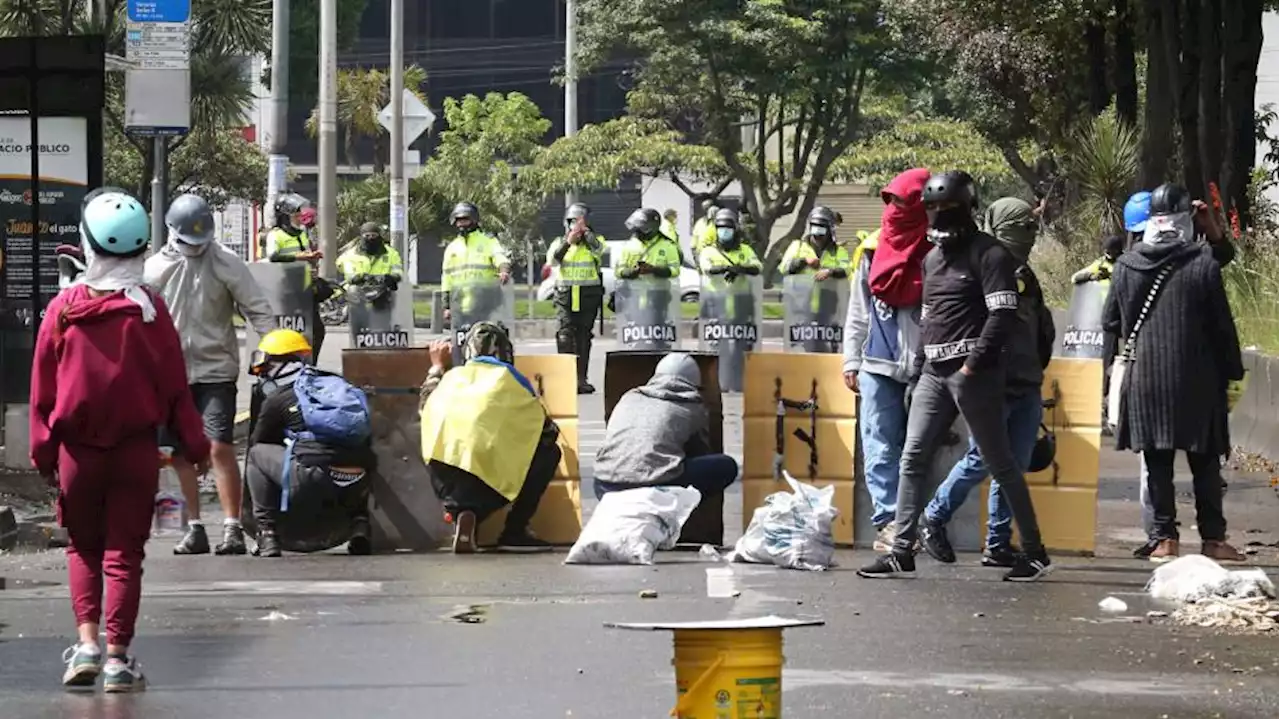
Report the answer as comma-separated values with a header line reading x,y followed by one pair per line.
x,y
289,241
575,263
704,230
471,256
649,253
730,255
371,260
817,253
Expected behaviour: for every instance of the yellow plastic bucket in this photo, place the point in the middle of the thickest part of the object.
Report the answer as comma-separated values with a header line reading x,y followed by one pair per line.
x,y
728,673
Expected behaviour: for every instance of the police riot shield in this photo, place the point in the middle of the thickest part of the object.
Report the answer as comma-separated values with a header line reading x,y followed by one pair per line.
x,y
647,313
814,312
482,299
1083,337
729,323
371,317
287,286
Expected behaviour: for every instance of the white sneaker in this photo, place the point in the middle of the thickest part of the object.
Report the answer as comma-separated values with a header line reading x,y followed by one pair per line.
x,y
123,676
84,664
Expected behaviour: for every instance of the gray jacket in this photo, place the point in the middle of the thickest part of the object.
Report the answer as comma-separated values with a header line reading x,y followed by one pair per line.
x,y
652,430
203,293
877,338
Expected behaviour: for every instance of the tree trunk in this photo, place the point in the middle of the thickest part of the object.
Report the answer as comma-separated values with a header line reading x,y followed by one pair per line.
x,y
1126,66
1242,35
1210,91
1157,141
1188,100
1095,43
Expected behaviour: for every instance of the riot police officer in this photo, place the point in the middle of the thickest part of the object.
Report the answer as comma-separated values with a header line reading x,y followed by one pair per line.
x,y
817,253
575,261
371,259
290,241
728,298
648,255
470,256
815,267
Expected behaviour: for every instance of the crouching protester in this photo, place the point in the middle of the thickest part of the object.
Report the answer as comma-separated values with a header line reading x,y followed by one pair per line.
x,y
486,439
310,454
659,436
107,375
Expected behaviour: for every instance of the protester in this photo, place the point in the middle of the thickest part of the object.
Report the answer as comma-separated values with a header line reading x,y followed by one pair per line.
x,y
969,310
1169,313
107,375
1028,349
659,436
882,332
205,286
487,439
309,482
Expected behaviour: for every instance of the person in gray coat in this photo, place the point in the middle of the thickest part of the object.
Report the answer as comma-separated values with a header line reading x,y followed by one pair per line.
x,y
659,436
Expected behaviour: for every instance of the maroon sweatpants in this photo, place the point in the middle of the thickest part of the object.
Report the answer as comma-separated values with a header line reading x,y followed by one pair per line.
x,y
106,502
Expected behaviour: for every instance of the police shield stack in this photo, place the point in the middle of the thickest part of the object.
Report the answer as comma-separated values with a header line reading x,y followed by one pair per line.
x,y
730,323
1083,337
371,307
478,297
648,313
814,313
288,288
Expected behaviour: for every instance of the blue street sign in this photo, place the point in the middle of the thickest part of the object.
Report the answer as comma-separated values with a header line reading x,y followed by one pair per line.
x,y
159,10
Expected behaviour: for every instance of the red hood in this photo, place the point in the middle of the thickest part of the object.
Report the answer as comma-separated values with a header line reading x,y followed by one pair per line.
x,y
82,307
908,185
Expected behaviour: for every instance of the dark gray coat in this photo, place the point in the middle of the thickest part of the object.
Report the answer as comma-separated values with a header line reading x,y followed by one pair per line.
x,y
1175,393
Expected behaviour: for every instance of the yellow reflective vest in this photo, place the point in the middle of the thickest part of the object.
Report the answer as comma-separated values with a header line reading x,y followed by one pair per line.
x,y
580,266
834,257
473,258
867,242
484,418
661,251
281,244
353,262
717,256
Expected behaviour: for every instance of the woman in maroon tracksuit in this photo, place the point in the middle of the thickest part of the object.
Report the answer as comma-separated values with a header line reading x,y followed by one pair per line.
x,y
107,374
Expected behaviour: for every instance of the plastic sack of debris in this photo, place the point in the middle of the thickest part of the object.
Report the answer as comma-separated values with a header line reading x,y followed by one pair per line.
x,y
1195,577
792,530
627,527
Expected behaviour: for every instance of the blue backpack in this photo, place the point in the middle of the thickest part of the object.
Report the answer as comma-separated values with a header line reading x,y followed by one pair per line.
x,y
334,411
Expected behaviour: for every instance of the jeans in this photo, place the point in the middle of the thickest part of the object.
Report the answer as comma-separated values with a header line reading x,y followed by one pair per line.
x,y
1206,478
882,421
979,398
461,491
709,474
1022,415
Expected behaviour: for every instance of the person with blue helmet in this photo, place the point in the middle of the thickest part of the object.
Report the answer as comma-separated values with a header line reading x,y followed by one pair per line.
x,y
207,284
106,376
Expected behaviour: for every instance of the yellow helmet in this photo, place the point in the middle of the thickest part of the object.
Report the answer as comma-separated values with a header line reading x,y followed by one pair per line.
x,y
279,343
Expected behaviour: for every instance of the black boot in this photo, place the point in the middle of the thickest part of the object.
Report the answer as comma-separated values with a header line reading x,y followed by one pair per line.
x,y
268,543
195,541
360,544
584,363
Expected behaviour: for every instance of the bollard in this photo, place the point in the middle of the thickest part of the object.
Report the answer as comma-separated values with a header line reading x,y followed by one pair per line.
x,y
730,667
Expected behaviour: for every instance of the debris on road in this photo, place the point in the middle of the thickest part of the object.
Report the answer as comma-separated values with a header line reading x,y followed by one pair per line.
x,y
1213,596
648,594
276,616
1111,604
469,614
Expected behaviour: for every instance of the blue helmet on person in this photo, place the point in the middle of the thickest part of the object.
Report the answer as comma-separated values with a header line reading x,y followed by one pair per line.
x,y
1137,211
113,223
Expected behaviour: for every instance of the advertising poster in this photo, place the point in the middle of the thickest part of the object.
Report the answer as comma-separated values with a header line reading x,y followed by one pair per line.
x,y
28,266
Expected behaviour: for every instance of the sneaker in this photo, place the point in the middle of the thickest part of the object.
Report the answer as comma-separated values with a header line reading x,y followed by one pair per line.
x,y
1145,550
934,538
522,541
464,532
1166,550
195,541
887,565
268,544
232,541
585,387
1003,556
884,538
84,664
1029,568
1219,550
359,545
122,676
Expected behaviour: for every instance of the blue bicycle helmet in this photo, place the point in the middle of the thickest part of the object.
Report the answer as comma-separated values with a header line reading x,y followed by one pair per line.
x,y
1137,211
114,223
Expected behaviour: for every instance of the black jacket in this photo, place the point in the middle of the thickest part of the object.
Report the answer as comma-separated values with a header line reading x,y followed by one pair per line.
x,y
1030,345
277,415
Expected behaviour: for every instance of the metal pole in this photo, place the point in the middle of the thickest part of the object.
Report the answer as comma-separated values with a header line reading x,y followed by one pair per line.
x,y
278,162
159,188
570,80
399,193
327,206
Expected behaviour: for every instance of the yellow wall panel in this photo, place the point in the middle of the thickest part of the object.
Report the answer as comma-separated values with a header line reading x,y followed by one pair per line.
x,y
1068,516
797,372
1077,459
835,447
1079,392
558,519
559,381
754,492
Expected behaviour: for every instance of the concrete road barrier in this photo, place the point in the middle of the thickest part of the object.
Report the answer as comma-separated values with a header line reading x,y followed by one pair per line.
x,y
1255,421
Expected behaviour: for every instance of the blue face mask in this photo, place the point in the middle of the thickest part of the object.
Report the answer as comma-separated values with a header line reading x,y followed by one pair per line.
x,y
725,234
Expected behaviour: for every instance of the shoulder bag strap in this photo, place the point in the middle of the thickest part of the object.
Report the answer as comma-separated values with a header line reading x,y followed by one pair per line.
x,y
1131,343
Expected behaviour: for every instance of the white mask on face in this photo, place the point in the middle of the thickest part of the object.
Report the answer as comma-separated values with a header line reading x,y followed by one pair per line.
x,y
818,230
1177,227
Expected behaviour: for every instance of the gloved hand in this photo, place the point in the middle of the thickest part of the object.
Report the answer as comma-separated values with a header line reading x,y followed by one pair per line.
x,y
1102,274
359,279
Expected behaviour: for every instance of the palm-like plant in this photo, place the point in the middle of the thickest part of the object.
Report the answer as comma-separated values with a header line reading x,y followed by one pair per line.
x,y
362,93
1103,166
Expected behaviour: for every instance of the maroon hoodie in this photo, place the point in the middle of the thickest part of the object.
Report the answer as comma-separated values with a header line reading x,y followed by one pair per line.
x,y
101,377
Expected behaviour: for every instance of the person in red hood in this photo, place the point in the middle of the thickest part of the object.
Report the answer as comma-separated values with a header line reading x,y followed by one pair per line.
x,y
107,375
881,333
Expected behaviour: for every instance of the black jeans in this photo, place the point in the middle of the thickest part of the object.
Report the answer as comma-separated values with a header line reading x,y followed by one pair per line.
x,y
573,328
321,513
979,398
709,474
461,491
1206,481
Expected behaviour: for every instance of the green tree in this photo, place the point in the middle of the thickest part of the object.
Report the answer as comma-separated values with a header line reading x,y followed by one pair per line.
x,y
362,93
776,89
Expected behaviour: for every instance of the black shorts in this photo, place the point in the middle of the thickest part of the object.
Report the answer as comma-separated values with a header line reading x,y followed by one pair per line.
x,y
216,403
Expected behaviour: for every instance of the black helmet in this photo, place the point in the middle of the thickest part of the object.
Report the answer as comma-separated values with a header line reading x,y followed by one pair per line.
x,y
464,209
1170,199
1043,453
576,210
644,221
822,215
726,218
954,186
290,203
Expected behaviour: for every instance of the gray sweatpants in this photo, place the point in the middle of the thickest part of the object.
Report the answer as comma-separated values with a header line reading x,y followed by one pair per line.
x,y
934,405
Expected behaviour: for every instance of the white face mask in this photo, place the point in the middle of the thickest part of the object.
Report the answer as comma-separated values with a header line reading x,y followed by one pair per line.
x,y
818,230
1161,229
190,250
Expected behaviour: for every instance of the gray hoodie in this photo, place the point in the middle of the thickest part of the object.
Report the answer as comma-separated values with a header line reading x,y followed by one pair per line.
x,y
654,427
